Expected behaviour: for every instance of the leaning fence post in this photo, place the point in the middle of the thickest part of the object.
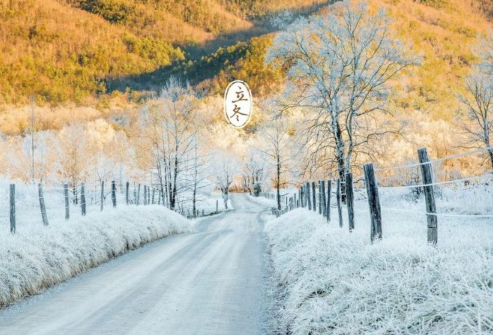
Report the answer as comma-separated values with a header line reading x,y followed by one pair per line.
x,y
67,207
427,174
83,198
113,192
373,202
127,187
329,195
338,196
42,205
308,197
12,209
350,200
102,195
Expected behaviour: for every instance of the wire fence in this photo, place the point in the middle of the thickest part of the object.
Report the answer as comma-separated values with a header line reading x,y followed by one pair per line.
x,y
429,182
30,204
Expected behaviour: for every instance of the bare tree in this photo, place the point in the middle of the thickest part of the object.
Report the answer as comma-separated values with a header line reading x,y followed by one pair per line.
x,y
254,169
477,116
339,66
170,128
276,139
224,168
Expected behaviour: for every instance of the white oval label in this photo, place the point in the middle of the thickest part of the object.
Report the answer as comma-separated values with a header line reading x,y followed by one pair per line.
x,y
238,104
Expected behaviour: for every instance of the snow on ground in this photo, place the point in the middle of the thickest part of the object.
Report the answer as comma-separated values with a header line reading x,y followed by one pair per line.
x,y
37,257
334,282
205,202
208,283
263,201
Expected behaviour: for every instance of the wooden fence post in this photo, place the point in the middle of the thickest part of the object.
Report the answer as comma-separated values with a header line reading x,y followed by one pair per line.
x,y
145,195
323,202
137,201
314,195
67,201
295,203
338,196
12,209
127,187
373,202
102,195
83,198
302,196
329,196
320,197
217,206
350,200
309,201
153,193
113,192
42,205
427,174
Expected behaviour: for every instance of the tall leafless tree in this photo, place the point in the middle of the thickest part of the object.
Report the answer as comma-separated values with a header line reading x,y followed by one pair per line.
x,y
340,64
476,117
276,142
170,127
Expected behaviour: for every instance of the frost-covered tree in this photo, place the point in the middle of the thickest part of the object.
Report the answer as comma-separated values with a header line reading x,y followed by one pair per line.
x,y
254,169
340,64
74,142
276,143
477,115
224,168
170,128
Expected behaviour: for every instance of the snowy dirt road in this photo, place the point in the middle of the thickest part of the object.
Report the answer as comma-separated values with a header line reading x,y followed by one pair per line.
x,y
210,282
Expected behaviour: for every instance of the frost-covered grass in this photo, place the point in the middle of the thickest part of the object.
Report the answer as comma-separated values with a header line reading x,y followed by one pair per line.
x,y
334,282
37,257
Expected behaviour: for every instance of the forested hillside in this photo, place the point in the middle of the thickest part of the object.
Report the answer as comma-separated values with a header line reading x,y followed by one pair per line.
x,y
69,50
80,50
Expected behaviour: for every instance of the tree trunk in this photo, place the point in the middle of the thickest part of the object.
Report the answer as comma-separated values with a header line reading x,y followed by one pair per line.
x,y
278,183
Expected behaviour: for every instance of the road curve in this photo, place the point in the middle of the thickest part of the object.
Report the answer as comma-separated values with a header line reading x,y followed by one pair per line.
x,y
209,282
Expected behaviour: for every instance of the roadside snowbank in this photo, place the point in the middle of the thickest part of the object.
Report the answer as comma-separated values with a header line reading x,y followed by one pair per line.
x,y
334,282
38,257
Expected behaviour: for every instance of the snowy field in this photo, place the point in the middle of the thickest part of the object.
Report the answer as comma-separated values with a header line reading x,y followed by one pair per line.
x,y
37,257
206,203
334,282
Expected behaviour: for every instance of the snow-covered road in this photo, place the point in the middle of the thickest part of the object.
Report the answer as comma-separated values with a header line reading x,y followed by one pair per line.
x,y
210,282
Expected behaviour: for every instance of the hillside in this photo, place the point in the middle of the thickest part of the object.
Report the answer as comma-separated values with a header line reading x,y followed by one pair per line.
x,y
69,50
78,50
